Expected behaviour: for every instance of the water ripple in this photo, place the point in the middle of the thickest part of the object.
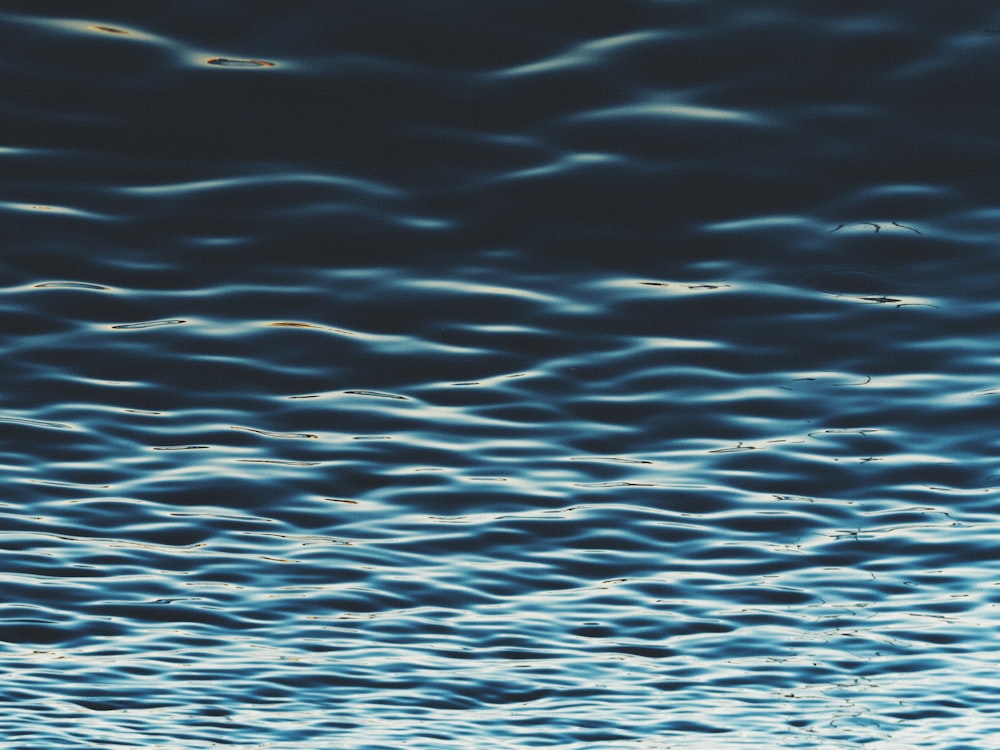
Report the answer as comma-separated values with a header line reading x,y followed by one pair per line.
x,y
408,376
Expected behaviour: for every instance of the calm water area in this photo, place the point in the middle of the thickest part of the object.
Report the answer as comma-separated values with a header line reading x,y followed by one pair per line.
x,y
533,373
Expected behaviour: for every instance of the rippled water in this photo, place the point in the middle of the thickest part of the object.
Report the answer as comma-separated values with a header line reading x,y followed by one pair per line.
x,y
565,374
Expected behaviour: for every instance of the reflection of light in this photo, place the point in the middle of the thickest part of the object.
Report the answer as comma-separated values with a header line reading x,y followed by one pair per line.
x,y
592,52
757,222
562,164
257,181
675,111
64,210
459,287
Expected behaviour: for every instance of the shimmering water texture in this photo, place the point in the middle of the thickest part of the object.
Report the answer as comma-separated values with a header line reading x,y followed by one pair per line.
x,y
577,375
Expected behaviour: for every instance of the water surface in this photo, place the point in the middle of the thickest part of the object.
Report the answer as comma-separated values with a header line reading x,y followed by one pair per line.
x,y
575,375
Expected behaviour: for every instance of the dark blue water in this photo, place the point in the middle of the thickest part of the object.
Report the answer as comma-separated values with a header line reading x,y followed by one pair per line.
x,y
617,374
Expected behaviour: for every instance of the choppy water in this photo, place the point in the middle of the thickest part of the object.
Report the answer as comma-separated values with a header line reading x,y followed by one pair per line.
x,y
550,374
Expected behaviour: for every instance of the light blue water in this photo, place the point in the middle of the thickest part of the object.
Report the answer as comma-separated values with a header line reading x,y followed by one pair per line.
x,y
607,376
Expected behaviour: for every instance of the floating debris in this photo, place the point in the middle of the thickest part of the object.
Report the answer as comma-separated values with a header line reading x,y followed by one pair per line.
x,y
35,423
876,227
276,461
296,324
377,394
229,62
265,433
72,285
147,324
739,448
